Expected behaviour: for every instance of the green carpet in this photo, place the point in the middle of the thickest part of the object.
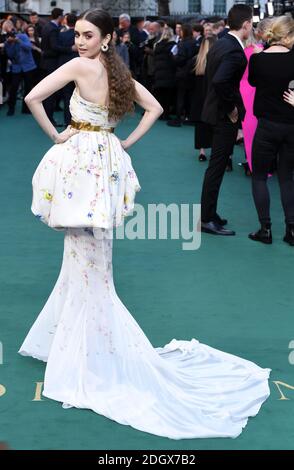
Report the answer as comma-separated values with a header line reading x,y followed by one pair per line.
x,y
232,293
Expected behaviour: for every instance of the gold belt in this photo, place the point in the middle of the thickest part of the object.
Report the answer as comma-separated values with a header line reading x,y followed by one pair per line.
x,y
87,126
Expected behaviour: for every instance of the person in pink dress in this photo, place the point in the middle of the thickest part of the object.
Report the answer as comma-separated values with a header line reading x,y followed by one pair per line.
x,y
248,92
254,44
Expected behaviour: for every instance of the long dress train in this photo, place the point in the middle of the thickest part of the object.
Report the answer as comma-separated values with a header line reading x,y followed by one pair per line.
x,y
99,358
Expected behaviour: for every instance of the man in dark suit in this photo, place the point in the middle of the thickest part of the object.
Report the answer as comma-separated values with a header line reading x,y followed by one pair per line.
x,y
51,52
67,40
34,20
198,31
224,32
223,109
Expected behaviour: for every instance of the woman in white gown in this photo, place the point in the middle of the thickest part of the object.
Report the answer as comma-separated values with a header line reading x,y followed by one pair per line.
x,y
97,356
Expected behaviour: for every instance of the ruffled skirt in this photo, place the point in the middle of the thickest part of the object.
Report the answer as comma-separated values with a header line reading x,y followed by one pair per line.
x,y
87,181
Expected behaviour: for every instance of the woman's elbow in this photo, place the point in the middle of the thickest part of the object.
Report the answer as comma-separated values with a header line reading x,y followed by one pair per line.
x,y
28,99
159,110
156,110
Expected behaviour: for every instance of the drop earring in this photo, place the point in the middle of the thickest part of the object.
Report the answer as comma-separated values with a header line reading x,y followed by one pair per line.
x,y
104,47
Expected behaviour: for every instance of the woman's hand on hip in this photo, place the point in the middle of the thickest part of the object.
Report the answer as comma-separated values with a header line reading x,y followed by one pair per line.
x,y
65,135
125,145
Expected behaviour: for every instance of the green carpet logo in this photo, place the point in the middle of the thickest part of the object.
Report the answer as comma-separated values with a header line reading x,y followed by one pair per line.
x,y
284,389
279,384
38,391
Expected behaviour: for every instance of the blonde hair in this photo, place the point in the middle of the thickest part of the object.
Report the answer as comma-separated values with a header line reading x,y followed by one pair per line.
x,y
217,25
281,28
166,34
251,40
263,26
201,58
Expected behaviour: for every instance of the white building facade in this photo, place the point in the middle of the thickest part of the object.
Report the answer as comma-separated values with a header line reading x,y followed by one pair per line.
x,y
115,7
218,7
133,7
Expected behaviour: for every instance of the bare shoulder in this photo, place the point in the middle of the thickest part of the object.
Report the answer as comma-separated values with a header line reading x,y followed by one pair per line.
x,y
72,67
85,65
78,63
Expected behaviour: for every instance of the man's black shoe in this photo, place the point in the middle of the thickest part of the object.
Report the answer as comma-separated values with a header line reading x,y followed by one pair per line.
x,y
220,221
215,229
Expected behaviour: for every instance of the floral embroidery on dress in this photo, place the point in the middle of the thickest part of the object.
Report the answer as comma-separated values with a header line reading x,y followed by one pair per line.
x,y
47,195
114,177
87,181
131,174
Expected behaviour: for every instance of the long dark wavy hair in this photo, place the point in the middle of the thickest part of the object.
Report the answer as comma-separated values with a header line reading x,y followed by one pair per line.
x,y
121,85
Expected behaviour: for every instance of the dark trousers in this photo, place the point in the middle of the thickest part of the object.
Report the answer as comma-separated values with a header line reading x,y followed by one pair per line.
x,y
16,79
67,91
273,140
183,100
4,75
223,140
164,96
50,102
203,135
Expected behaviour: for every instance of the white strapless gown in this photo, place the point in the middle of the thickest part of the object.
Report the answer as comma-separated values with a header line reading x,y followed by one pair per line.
x,y
97,355
87,181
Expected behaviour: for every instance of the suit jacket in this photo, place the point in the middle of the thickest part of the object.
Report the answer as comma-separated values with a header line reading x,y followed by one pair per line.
x,y
223,33
66,39
226,63
51,48
198,42
185,59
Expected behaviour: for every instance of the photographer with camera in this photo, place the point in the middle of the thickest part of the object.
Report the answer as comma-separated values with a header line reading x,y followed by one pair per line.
x,y
18,49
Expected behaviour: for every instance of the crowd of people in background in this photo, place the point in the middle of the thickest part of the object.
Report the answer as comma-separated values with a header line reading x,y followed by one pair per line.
x,y
170,60
159,56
